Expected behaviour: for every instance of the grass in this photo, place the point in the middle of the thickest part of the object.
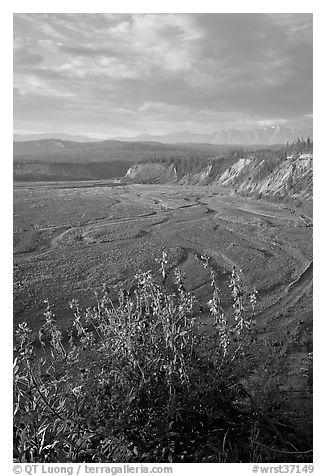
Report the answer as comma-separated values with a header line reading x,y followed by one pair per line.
x,y
142,381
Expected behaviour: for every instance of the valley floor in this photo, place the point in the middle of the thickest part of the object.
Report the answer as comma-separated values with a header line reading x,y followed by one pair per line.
x,y
68,240
71,238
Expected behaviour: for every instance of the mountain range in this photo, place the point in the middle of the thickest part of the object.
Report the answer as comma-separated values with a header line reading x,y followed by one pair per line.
x,y
265,136
54,135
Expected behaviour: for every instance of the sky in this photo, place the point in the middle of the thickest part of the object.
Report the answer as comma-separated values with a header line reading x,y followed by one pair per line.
x,y
106,75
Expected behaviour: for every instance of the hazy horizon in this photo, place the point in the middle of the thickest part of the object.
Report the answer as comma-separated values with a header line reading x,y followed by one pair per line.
x,y
107,75
54,134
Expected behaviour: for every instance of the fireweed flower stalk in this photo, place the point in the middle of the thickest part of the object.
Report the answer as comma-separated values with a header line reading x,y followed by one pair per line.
x,y
215,306
244,322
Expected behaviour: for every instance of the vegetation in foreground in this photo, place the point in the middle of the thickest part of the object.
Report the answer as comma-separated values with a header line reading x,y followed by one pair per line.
x,y
141,381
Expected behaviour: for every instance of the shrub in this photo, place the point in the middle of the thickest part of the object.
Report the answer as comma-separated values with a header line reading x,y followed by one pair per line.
x,y
139,380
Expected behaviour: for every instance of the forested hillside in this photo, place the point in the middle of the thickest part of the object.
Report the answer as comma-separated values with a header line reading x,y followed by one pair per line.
x,y
282,173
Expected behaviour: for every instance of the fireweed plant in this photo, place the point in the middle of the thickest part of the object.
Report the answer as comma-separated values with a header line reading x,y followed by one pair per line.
x,y
139,380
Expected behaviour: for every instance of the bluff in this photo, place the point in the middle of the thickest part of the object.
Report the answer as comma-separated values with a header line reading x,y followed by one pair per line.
x,y
288,176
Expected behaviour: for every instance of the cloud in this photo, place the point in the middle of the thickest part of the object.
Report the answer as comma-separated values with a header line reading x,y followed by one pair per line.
x,y
23,57
162,71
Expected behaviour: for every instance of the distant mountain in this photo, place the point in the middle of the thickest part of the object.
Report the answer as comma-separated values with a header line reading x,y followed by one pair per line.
x,y
58,135
57,150
265,136
184,137
46,146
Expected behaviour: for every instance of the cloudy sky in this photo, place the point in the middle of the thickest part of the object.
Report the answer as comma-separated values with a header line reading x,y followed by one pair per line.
x,y
124,74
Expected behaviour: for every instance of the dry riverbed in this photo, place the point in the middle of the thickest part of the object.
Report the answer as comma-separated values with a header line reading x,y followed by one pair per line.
x,y
71,238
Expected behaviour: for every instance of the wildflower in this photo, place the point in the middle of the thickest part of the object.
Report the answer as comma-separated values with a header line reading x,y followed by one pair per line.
x,y
163,262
